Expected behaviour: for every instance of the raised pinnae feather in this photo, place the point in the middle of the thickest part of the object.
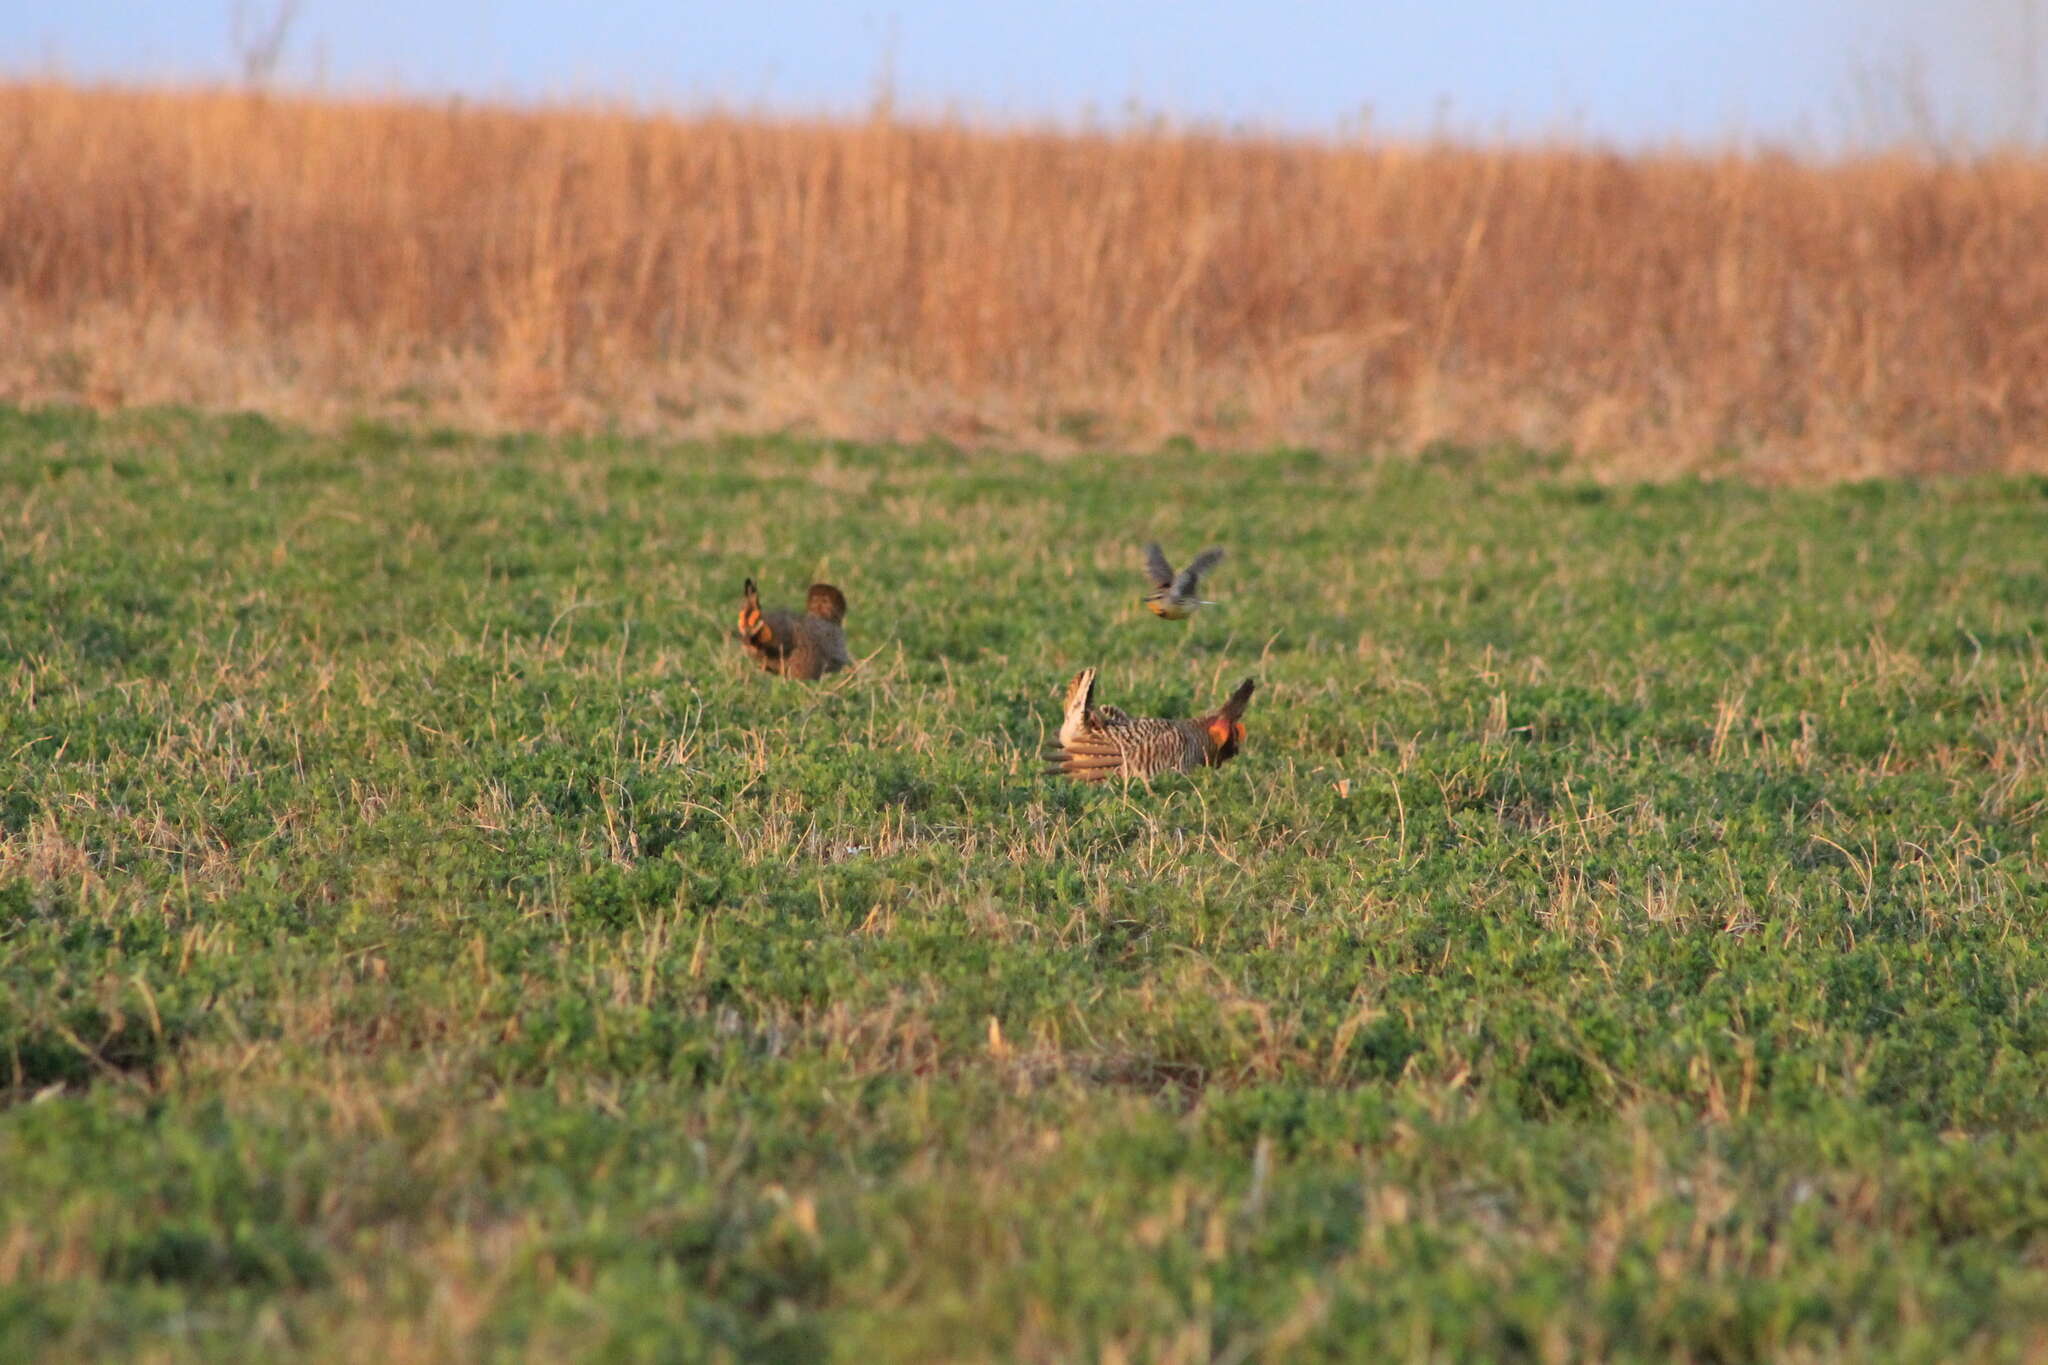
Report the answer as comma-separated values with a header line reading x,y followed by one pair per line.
x,y
754,628
1233,709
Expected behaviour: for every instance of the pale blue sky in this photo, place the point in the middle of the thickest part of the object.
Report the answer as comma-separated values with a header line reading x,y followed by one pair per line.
x,y
1809,71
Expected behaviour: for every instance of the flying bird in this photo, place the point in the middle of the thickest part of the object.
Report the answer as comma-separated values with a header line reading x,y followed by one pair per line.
x,y
807,645
1098,742
1173,594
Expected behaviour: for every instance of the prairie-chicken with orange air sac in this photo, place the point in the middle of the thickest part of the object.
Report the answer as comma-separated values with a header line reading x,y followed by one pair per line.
x,y
796,645
1173,594
1097,742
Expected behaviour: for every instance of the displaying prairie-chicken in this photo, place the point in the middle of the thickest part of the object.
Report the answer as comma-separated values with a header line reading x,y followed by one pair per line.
x,y
1097,742
1083,716
804,645
1173,594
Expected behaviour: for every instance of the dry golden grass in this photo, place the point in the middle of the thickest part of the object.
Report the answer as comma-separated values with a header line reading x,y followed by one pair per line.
x,y
569,268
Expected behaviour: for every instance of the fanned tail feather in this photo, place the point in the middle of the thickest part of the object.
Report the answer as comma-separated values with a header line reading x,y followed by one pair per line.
x,y
1080,705
1090,760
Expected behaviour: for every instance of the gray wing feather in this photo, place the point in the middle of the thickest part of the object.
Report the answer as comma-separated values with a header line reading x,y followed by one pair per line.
x,y
1156,565
1191,575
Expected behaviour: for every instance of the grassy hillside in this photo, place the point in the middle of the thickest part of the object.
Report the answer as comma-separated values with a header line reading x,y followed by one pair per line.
x,y
422,938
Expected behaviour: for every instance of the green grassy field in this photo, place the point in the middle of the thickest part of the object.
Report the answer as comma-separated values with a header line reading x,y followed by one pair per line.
x,y
423,937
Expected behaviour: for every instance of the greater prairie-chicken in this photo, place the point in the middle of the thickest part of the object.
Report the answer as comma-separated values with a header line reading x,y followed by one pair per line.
x,y
1173,594
1097,742
805,645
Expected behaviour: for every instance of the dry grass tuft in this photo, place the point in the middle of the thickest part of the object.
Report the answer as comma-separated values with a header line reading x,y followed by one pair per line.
x,y
569,268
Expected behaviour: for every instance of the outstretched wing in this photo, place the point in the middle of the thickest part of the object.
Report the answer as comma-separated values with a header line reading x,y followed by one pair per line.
x,y
1185,585
1131,748
1089,757
1156,566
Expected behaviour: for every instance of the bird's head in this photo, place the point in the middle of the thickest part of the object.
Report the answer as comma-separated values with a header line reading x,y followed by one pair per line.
x,y
1225,727
1225,737
826,601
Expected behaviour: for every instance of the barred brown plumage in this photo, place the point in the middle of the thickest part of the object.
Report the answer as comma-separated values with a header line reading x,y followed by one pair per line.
x,y
1097,742
796,645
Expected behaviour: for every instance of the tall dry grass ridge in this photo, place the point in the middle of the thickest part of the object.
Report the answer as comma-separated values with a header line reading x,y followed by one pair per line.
x,y
565,267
